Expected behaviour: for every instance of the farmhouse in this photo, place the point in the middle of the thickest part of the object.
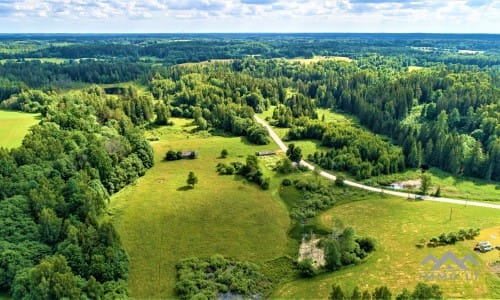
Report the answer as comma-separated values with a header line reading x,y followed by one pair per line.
x,y
265,153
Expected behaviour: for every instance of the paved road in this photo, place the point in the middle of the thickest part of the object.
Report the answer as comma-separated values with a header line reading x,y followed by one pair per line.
x,y
283,147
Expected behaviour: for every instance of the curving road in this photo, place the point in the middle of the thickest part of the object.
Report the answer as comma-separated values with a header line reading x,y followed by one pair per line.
x,y
283,147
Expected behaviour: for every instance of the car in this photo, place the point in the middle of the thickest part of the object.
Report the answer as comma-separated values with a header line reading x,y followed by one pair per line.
x,y
484,246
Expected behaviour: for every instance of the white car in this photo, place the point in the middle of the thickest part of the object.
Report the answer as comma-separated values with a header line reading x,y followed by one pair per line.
x,y
483,247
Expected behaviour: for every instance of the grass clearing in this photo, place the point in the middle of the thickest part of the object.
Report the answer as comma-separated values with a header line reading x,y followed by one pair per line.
x,y
14,126
414,68
452,186
398,225
318,58
160,221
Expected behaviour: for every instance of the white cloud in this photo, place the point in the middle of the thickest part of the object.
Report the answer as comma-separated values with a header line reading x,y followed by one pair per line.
x,y
250,15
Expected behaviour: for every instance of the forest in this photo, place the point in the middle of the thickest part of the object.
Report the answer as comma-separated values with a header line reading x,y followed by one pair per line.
x,y
415,108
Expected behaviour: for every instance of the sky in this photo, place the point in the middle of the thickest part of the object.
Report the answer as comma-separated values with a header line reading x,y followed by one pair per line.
x,y
200,16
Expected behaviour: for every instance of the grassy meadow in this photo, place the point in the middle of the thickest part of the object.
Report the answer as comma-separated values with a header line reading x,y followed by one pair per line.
x,y
14,126
161,221
318,58
398,225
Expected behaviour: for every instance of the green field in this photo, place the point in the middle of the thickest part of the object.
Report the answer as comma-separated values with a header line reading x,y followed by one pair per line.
x,y
14,126
161,222
452,186
318,58
398,225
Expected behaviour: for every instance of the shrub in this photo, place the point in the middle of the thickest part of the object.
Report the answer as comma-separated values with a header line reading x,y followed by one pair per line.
x,y
306,268
171,155
339,181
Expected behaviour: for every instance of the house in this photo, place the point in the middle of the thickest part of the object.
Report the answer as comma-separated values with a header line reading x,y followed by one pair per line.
x,y
265,153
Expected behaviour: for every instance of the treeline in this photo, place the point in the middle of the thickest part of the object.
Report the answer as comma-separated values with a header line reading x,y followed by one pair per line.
x,y
421,291
35,74
180,48
53,190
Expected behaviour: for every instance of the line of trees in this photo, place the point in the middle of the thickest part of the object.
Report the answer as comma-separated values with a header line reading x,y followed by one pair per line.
x,y
421,291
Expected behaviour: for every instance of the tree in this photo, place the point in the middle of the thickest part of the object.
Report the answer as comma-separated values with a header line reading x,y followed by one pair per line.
x,y
426,183
383,293
306,268
294,153
192,179
424,291
224,153
162,114
50,279
50,226
332,255
356,294
366,295
405,295
337,293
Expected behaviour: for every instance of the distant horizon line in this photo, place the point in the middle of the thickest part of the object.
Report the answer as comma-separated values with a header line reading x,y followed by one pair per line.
x,y
246,32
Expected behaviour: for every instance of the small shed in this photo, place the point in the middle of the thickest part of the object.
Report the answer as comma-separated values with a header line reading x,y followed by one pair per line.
x,y
190,154
265,153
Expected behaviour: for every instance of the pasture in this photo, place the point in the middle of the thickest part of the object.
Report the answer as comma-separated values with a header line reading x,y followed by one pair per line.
x,y
161,221
398,225
14,126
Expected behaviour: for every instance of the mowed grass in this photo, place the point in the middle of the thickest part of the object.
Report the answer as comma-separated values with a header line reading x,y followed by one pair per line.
x,y
14,126
398,225
160,221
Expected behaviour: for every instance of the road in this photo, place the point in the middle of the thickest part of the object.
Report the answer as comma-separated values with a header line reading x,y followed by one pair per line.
x,y
283,147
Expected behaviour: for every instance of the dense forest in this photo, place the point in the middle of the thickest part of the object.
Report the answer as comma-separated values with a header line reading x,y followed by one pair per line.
x,y
53,190
435,107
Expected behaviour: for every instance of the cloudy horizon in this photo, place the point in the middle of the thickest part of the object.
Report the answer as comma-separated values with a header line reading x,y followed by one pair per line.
x,y
204,16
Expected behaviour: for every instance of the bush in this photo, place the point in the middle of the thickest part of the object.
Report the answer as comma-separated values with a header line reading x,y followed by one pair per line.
x,y
453,237
366,244
208,278
306,268
286,182
171,155
265,183
224,169
339,181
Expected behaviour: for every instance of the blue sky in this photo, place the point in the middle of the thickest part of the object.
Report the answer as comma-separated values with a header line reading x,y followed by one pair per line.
x,y
455,16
